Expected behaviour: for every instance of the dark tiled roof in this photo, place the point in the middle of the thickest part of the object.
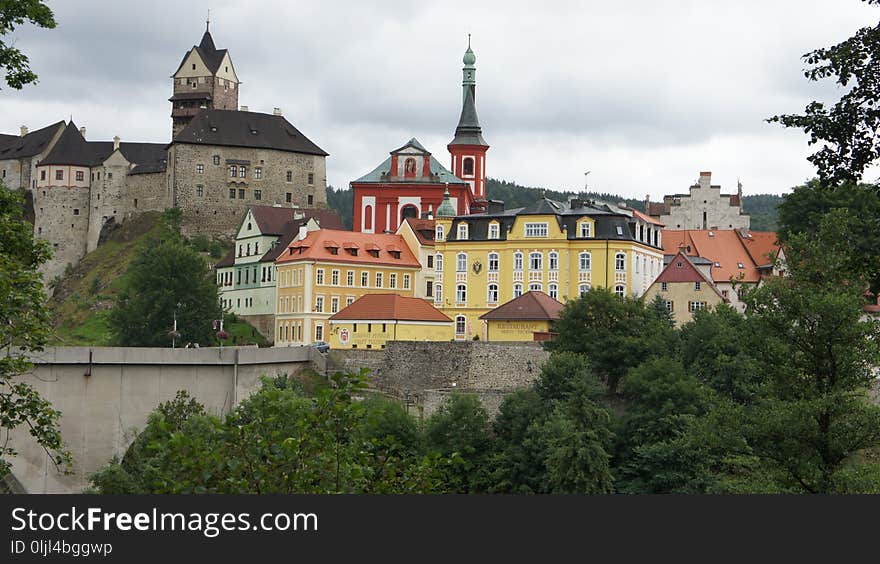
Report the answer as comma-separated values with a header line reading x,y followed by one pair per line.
x,y
469,131
6,140
190,96
31,144
228,260
414,143
274,220
326,218
233,128
424,230
208,52
72,149
531,305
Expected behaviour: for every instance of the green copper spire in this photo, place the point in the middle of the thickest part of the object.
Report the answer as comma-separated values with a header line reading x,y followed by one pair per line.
x,y
469,73
446,209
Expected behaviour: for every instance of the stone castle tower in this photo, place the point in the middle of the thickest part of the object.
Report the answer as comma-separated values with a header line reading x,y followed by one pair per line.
x,y
205,79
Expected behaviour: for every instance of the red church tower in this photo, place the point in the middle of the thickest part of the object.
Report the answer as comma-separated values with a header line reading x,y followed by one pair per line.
x,y
468,148
411,183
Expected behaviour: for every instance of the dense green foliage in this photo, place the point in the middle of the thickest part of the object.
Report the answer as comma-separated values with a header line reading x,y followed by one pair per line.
x,y
167,279
24,328
342,202
14,13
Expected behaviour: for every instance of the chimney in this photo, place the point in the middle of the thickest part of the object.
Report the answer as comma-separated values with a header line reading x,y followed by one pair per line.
x,y
116,143
244,108
576,203
705,179
303,233
82,131
276,111
24,130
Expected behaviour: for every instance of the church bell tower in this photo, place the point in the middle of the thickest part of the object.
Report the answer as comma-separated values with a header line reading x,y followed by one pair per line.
x,y
468,148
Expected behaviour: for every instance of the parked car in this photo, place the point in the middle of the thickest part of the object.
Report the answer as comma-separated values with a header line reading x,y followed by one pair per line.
x,y
322,346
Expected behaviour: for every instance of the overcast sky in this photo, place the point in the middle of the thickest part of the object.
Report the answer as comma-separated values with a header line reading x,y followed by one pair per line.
x,y
643,94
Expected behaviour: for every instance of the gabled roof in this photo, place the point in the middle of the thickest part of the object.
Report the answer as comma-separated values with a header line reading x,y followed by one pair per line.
x,y
717,245
6,140
209,53
390,307
423,230
414,143
529,306
646,218
381,174
275,220
682,270
232,128
73,149
312,249
31,144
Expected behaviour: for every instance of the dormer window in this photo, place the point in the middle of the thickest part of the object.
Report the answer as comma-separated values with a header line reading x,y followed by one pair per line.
x,y
395,254
493,230
462,232
438,233
585,230
620,230
374,253
740,265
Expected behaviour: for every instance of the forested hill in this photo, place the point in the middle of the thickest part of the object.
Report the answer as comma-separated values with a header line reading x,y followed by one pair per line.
x,y
761,207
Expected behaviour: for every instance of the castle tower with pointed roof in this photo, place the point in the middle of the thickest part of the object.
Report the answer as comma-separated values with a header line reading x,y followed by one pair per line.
x,y
468,148
205,79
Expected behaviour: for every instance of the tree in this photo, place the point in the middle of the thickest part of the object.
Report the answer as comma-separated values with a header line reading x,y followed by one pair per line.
x,y
24,328
167,280
460,430
565,374
14,13
518,463
847,130
614,333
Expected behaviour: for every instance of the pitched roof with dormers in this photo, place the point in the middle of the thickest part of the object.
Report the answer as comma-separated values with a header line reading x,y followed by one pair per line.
x,y
530,306
722,247
73,149
390,307
317,244
762,246
210,55
681,269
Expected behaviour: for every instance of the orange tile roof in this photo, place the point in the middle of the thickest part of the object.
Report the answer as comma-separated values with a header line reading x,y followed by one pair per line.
x,y
531,305
314,248
762,246
722,247
390,307
645,218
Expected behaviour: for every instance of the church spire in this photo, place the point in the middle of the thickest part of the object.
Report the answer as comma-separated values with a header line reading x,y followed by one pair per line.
x,y
469,131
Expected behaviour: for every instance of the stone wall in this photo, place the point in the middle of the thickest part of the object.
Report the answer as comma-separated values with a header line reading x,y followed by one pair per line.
x,y
215,213
61,217
265,324
421,374
105,395
145,192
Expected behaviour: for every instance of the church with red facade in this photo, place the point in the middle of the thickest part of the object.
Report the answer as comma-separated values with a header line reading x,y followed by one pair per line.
x,y
411,182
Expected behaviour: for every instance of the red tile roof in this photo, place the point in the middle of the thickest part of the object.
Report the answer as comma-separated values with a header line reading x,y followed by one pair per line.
x,y
722,247
645,218
682,270
531,305
762,246
314,249
390,307
424,230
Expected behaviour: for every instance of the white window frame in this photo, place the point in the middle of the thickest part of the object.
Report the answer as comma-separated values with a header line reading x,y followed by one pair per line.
x,y
536,229
494,231
585,261
536,261
492,262
517,261
461,262
492,294
553,261
461,294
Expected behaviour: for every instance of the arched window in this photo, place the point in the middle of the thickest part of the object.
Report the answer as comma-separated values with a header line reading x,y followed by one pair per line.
x,y
517,261
620,262
438,262
535,287
409,167
469,166
460,326
536,261
461,294
461,262
493,262
553,290
584,261
517,290
368,217
553,261
409,210
492,295
619,290
583,289
438,293
438,234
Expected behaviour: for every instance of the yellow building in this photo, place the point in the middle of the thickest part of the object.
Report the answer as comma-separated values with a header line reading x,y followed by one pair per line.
x,y
526,318
561,249
374,319
328,270
685,289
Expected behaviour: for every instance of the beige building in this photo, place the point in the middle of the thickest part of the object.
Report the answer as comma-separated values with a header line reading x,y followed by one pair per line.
x,y
703,207
419,236
19,154
684,288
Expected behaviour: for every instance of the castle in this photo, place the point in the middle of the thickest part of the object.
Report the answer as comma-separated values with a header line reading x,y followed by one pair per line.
x,y
220,160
